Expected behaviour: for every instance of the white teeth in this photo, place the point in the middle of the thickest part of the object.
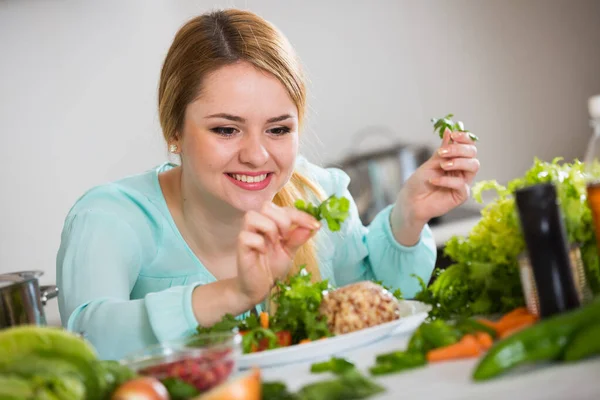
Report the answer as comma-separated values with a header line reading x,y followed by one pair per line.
x,y
249,179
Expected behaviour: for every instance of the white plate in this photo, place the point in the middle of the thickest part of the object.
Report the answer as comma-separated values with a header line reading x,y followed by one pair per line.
x,y
412,313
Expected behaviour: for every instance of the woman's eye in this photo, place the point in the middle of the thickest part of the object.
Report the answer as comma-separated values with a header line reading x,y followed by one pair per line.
x,y
224,131
279,131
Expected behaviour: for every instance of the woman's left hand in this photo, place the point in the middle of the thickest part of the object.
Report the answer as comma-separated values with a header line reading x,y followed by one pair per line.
x,y
436,187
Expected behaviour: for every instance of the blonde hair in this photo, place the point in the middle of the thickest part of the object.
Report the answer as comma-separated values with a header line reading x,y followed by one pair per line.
x,y
213,40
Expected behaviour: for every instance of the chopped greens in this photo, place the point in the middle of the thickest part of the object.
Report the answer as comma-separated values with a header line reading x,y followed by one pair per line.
x,y
298,302
252,339
335,365
440,125
428,336
349,385
179,389
334,210
397,361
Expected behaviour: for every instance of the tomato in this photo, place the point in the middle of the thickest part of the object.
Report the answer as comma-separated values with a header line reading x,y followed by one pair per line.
x,y
144,388
284,338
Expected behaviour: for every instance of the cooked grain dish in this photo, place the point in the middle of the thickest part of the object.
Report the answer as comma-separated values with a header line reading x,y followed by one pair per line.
x,y
358,306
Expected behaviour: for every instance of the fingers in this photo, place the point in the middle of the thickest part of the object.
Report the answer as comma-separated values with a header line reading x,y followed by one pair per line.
x,y
278,224
287,218
452,182
298,237
462,137
455,150
468,166
252,241
259,223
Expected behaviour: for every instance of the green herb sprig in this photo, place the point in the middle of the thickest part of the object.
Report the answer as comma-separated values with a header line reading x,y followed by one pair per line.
x,y
334,210
441,124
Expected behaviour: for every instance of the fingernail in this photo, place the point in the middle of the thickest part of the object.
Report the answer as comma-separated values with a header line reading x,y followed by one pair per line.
x,y
443,151
316,225
447,164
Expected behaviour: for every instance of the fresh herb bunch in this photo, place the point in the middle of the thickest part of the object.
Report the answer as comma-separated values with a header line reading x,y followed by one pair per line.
x,y
334,210
484,278
440,125
298,301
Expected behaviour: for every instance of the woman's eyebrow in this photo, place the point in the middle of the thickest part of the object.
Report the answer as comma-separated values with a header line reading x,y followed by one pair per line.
x,y
280,118
227,116
240,119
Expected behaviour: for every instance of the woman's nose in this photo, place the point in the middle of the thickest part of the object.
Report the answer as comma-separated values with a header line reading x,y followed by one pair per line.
x,y
253,151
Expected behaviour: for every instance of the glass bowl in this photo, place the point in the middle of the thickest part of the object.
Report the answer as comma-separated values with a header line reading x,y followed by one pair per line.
x,y
203,361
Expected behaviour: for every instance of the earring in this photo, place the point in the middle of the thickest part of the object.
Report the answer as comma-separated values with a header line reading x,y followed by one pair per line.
x,y
173,148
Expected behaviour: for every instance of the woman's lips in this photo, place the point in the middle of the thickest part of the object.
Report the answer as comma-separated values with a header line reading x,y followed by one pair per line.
x,y
254,181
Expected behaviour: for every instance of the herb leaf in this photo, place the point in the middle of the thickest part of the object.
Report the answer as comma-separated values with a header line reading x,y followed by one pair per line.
x,y
335,365
440,125
334,210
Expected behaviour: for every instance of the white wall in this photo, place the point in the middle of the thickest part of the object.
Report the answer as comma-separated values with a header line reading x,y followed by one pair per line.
x,y
78,89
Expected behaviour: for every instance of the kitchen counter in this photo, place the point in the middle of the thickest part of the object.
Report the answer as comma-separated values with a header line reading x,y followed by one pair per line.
x,y
451,380
442,232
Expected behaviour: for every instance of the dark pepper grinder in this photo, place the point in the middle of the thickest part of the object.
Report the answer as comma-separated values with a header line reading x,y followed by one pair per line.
x,y
546,241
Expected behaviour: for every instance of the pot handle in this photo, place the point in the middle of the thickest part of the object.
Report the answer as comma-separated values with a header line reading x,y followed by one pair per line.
x,y
48,292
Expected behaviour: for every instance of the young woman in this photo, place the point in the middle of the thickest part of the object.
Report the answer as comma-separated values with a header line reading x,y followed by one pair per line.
x,y
150,257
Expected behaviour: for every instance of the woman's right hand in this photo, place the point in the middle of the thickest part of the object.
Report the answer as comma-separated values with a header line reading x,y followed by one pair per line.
x,y
267,244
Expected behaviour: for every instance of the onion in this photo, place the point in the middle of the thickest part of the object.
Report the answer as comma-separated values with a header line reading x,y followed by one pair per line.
x,y
143,388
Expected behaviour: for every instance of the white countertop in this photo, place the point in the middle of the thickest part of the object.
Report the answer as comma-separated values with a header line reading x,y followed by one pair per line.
x,y
451,380
445,230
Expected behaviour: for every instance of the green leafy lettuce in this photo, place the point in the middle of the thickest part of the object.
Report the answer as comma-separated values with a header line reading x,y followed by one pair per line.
x,y
484,277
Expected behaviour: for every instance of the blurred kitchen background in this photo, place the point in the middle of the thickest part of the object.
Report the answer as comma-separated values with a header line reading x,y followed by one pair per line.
x,y
78,86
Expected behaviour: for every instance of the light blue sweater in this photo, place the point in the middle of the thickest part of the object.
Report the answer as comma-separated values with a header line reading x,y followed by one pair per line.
x,y
126,275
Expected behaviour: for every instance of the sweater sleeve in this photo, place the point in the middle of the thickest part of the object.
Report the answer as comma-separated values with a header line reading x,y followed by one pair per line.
x,y
97,267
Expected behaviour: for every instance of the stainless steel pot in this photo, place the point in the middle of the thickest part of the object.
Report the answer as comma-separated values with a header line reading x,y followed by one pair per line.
x,y
22,299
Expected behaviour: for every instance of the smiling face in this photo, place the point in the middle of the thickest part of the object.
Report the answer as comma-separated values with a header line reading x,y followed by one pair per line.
x,y
239,141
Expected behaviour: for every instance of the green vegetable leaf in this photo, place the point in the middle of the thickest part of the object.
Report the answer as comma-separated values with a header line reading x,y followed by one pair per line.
x,y
397,293
298,301
349,385
441,124
334,210
335,365
227,324
253,338
277,391
179,389
397,361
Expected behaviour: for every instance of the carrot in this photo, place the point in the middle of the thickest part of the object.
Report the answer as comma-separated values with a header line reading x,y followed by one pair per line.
x,y
467,347
508,321
488,323
525,323
516,312
484,339
508,324
264,320
303,341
